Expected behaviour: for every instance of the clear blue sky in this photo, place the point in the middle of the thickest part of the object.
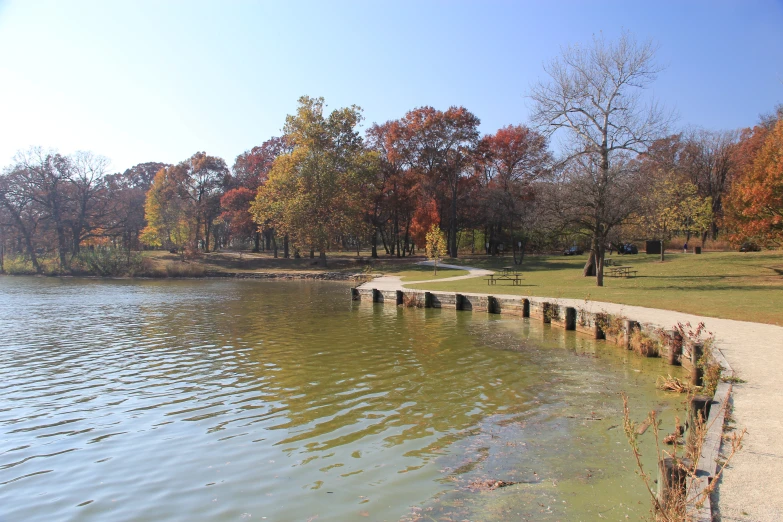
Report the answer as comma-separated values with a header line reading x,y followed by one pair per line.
x,y
143,81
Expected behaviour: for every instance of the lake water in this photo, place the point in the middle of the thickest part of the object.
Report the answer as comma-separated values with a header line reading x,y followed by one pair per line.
x,y
286,401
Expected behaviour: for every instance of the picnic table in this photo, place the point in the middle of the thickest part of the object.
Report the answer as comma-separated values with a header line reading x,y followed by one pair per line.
x,y
620,271
507,273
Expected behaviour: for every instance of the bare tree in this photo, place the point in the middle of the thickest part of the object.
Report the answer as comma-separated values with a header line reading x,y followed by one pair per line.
x,y
88,194
20,210
595,94
44,176
708,163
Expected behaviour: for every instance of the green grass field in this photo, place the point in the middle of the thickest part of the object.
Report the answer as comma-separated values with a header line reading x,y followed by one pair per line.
x,y
732,285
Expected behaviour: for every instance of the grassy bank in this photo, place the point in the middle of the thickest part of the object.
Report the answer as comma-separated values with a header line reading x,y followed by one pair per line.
x,y
732,285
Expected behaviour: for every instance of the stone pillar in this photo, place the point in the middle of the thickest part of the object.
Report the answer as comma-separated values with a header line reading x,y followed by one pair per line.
x,y
675,347
427,299
570,318
525,307
376,296
629,327
400,297
598,332
493,306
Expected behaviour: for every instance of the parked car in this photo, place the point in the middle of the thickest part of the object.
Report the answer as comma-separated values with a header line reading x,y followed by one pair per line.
x,y
628,248
573,251
748,246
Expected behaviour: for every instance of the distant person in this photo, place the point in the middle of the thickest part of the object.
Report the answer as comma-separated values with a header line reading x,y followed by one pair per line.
x,y
685,248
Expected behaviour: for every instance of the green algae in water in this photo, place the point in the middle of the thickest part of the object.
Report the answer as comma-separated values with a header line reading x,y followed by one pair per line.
x,y
567,458
225,400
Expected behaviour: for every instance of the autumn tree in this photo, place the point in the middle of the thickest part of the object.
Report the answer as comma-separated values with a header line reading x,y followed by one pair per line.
x,y
395,191
169,211
436,245
594,94
250,171
127,192
671,205
440,145
508,163
755,201
317,192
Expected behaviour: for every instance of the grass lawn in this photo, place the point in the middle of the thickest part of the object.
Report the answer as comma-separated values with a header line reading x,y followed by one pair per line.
x,y
732,285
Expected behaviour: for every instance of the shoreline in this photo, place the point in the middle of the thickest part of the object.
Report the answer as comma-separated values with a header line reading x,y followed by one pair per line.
x,y
754,351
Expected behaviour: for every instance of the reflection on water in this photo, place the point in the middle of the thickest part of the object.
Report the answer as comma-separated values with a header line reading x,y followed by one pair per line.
x,y
221,400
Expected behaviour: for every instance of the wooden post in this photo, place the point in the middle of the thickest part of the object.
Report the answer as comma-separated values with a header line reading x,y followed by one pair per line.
x,y
697,371
427,299
400,297
672,477
525,307
675,348
376,295
459,301
493,306
699,405
698,413
598,332
570,318
545,312
629,327
355,294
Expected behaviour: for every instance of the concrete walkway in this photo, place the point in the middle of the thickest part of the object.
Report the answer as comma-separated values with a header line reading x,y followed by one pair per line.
x,y
752,486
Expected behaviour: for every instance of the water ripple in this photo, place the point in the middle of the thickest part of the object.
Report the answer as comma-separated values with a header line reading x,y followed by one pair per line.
x,y
212,400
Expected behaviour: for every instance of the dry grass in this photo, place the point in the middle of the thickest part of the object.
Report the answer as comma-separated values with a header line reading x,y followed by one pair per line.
x,y
682,502
644,345
672,384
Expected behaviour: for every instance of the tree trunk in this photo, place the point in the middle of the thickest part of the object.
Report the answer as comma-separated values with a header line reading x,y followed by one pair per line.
x,y
61,247
274,244
285,246
662,251
322,258
589,269
599,265
257,241
375,245
453,222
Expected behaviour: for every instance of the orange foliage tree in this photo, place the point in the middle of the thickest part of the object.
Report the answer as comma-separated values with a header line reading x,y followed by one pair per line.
x,y
755,202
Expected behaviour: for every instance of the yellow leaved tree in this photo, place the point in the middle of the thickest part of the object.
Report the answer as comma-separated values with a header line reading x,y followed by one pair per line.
x,y
435,245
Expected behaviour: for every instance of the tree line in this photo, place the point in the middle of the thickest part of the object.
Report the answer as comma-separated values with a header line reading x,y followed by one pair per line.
x,y
619,174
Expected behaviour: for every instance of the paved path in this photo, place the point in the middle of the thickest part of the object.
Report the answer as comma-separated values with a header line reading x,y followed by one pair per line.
x,y
752,487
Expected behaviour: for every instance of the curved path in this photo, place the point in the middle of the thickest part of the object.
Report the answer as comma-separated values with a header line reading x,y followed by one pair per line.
x,y
752,486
